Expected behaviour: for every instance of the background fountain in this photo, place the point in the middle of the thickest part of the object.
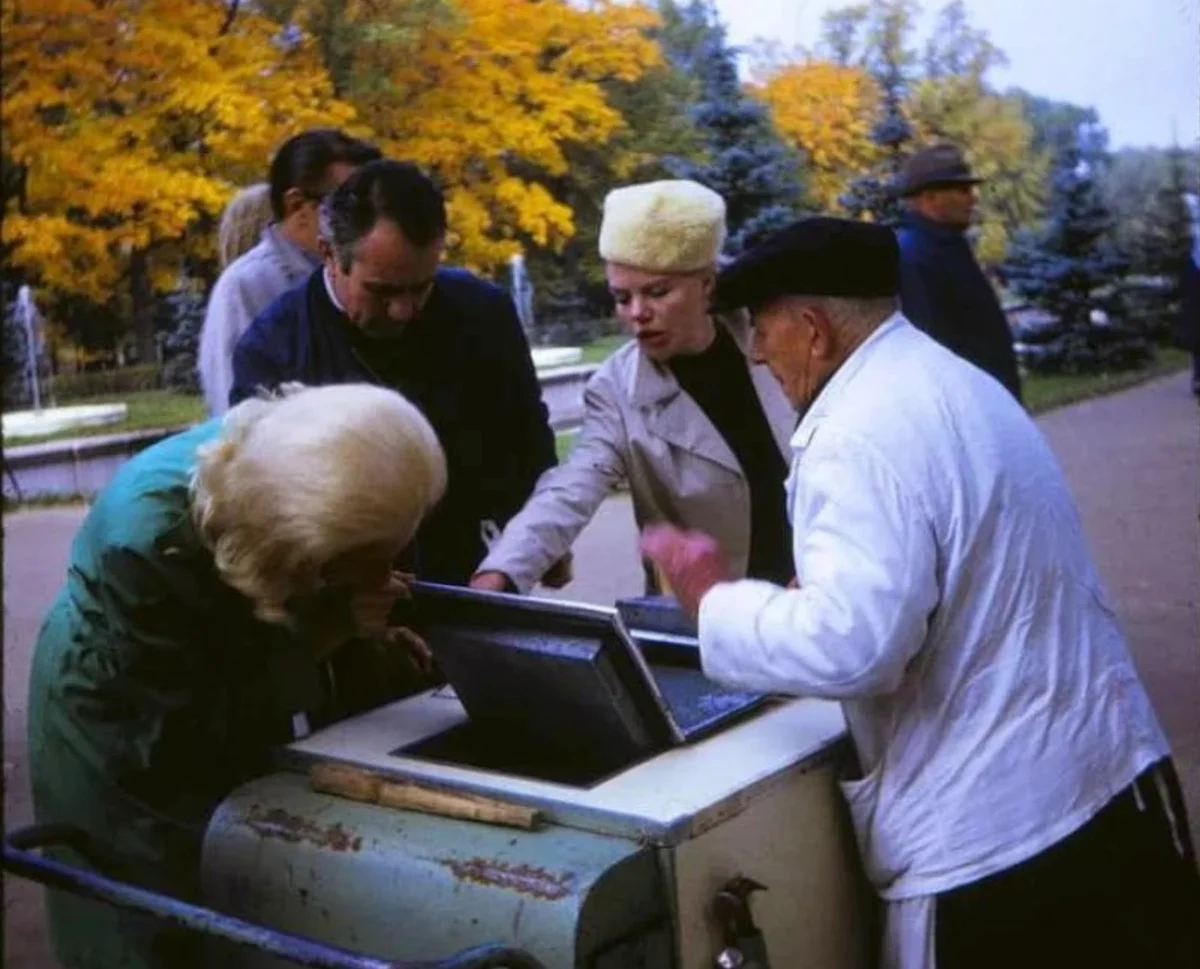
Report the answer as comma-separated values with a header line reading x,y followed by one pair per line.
x,y
40,421
544,358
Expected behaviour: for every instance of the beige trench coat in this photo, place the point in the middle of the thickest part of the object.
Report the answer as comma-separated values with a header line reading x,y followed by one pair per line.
x,y
639,425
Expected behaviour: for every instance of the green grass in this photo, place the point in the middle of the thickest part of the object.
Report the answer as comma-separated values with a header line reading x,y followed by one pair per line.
x,y
563,442
600,350
147,409
1044,392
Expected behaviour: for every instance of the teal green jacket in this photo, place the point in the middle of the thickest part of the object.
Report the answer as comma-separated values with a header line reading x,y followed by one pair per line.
x,y
154,692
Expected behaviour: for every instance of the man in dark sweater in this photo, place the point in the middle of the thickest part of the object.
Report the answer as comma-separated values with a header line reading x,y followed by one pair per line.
x,y
943,291
384,310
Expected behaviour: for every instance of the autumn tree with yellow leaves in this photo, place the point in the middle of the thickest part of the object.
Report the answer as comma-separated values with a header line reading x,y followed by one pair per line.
x,y
827,111
129,123
491,98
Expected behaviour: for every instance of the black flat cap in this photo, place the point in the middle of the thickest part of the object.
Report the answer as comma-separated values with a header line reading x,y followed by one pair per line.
x,y
818,256
942,164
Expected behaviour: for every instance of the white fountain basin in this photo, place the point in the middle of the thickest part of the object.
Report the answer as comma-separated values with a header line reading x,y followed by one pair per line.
x,y
546,357
52,420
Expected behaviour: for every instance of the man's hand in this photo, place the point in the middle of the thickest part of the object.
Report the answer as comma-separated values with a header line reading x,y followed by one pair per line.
x,y
491,582
691,562
560,573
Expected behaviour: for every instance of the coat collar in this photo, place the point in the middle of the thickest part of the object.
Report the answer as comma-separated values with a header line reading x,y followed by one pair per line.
x,y
671,414
837,385
654,384
296,264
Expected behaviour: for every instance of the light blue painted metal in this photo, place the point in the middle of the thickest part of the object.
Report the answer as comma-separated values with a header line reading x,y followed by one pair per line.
x,y
404,885
25,863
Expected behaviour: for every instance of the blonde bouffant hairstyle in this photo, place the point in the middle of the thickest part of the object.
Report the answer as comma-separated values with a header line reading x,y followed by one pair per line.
x,y
300,478
243,221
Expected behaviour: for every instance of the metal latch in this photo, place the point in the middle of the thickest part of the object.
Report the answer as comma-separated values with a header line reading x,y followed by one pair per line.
x,y
743,944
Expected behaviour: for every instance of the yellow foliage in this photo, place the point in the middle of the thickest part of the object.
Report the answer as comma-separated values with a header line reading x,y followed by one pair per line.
x,y
133,119
827,111
490,101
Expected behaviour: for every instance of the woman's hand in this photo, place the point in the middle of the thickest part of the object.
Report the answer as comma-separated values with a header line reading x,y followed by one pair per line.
x,y
340,614
403,642
370,609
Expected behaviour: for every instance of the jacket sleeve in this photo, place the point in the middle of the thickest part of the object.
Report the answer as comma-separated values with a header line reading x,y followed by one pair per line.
x,y
866,560
566,497
526,437
227,316
258,363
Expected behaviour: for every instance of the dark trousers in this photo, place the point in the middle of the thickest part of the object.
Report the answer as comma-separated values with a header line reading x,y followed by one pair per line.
x,y
1122,891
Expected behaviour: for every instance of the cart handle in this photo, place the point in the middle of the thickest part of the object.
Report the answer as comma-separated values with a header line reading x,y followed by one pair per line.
x,y
20,859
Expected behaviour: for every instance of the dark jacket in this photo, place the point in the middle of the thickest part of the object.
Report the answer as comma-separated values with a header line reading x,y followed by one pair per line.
x,y
465,362
945,293
1187,323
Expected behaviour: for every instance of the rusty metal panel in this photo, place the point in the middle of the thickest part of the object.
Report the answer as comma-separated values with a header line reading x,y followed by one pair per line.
x,y
403,885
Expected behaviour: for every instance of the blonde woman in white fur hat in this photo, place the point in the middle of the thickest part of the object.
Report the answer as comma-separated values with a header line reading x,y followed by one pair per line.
x,y
680,412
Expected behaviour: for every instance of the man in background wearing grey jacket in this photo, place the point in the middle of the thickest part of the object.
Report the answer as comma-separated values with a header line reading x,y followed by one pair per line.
x,y
303,171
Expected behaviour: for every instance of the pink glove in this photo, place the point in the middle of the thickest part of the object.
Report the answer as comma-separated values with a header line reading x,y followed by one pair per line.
x,y
691,562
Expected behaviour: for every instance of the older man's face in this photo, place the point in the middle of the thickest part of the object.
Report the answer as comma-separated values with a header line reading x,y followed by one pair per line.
x,y
388,282
786,338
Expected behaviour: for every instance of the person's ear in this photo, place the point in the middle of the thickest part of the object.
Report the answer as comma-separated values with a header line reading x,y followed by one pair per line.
x,y
293,202
325,250
824,333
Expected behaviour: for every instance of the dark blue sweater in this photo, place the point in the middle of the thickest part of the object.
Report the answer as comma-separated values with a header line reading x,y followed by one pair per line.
x,y
465,362
945,293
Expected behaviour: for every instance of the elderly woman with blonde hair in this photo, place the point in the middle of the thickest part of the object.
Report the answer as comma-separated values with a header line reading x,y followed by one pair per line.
x,y
206,585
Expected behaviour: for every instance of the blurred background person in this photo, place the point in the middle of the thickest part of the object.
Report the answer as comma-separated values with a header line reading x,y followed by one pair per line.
x,y
243,222
943,290
304,170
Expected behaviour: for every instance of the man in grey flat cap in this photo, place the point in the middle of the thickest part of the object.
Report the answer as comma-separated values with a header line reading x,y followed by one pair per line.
x,y
1016,803
942,289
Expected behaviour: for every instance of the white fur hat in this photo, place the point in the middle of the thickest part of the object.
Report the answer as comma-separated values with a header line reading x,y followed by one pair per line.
x,y
663,227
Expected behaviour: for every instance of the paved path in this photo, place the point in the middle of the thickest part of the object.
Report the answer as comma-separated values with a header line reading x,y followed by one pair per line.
x,y
1133,461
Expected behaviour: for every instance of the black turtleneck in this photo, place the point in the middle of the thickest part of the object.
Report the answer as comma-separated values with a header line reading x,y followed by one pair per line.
x,y
718,380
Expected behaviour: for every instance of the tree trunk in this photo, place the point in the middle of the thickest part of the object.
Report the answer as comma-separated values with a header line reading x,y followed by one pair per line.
x,y
141,301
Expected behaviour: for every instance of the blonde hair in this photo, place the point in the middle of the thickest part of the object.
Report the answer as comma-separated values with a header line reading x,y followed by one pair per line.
x,y
298,479
243,221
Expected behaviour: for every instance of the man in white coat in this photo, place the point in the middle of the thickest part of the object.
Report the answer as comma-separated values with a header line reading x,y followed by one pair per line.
x,y
680,412
1016,803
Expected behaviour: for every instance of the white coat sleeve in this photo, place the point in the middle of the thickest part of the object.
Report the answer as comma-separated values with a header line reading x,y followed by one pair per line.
x,y
228,315
565,497
866,559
